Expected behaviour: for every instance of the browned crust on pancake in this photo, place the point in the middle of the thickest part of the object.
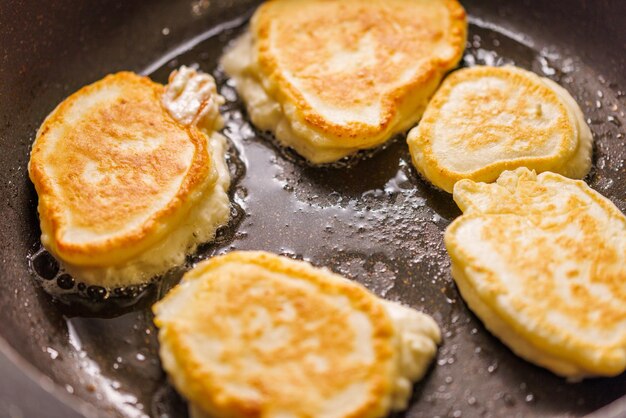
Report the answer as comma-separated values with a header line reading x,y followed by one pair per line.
x,y
354,132
198,383
148,115
594,358
426,161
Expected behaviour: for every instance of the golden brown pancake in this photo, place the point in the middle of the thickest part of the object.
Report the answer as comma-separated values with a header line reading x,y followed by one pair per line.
x,y
541,260
330,77
116,175
255,334
484,120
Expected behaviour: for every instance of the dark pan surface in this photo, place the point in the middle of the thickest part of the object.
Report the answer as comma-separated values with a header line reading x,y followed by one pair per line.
x,y
372,220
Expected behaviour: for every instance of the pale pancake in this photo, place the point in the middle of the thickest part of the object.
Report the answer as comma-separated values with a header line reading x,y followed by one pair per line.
x,y
331,77
255,334
484,120
118,177
542,261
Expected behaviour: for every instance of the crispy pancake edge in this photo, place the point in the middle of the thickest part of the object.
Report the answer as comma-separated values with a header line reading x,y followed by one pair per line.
x,y
352,134
420,138
51,210
191,379
576,361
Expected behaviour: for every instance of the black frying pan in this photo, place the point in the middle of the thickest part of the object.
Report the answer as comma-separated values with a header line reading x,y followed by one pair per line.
x,y
374,220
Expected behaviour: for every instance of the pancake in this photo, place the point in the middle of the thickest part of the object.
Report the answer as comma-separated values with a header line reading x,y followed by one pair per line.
x,y
485,120
329,78
541,260
252,334
125,187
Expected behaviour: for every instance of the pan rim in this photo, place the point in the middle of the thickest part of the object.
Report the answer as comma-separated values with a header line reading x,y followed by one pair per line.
x,y
37,377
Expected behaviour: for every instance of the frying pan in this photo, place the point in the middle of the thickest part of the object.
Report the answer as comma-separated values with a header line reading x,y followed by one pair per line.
x,y
373,220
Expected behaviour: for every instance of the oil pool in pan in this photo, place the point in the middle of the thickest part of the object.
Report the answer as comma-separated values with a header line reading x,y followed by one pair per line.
x,y
371,219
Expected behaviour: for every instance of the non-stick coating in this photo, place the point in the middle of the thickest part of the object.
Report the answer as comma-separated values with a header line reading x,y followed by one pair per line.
x,y
49,49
